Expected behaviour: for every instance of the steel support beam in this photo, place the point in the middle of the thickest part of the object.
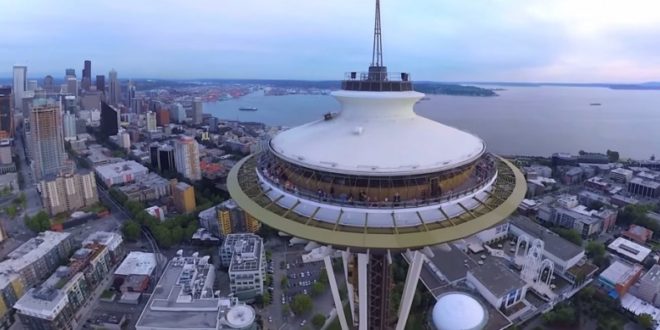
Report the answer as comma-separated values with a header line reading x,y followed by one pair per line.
x,y
414,270
335,293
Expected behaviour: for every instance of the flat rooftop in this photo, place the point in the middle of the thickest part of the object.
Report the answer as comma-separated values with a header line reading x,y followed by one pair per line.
x,y
105,238
629,249
497,277
246,252
119,169
620,272
170,308
137,263
28,253
553,243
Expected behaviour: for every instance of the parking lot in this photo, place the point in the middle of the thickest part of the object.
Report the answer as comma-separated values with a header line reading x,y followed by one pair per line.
x,y
301,277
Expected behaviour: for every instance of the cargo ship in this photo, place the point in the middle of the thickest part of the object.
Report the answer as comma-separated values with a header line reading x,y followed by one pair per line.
x,y
247,109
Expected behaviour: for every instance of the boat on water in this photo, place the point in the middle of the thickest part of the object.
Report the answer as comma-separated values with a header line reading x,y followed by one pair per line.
x,y
594,104
248,109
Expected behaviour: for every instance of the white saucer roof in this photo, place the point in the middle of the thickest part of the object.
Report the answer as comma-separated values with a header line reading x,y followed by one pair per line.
x,y
377,133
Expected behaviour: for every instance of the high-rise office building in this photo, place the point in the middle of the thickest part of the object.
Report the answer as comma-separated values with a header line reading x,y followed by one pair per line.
x,y
177,113
86,82
100,83
72,86
232,219
69,73
198,110
130,95
113,95
6,117
162,117
20,85
109,120
46,143
186,158
48,84
32,85
69,123
68,191
151,121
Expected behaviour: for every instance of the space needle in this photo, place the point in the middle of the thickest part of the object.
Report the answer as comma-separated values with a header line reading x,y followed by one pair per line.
x,y
375,179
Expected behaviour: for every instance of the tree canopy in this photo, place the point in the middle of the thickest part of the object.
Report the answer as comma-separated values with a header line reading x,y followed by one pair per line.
x,y
301,304
39,222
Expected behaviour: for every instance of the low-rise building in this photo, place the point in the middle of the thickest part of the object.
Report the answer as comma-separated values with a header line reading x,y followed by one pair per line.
x,y
619,277
113,241
638,234
629,250
245,256
498,284
644,187
186,300
621,175
649,286
121,172
564,254
147,188
135,272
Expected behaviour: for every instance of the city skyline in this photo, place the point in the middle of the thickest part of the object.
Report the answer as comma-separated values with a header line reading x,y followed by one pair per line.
x,y
516,41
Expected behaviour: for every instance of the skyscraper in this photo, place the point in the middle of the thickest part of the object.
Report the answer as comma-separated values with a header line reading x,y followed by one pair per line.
x,y
100,83
109,120
69,73
373,181
69,121
151,121
130,93
20,85
178,113
48,84
198,111
46,142
72,86
186,158
113,98
86,81
6,118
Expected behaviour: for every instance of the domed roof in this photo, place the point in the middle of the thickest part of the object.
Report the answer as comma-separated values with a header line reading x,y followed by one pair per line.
x,y
240,316
377,133
459,311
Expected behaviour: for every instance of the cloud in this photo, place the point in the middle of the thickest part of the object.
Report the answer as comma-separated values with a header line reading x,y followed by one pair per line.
x,y
516,40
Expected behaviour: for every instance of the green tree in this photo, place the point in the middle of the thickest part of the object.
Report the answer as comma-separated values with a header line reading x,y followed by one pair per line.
x,y
39,222
645,320
131,230
595,249
177,234
323,277
11,211
318,321
284,282
266,298
162,235
286,309
301,304
259,300
570,235
317,289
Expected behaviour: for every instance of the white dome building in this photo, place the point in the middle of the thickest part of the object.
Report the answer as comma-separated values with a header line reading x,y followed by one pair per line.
x,y
459,311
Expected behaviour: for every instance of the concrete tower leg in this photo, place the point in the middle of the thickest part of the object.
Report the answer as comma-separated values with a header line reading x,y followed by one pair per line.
x,y
409,288
335,293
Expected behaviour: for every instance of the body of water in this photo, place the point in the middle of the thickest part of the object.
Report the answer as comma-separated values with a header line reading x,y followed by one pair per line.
x,y
522,120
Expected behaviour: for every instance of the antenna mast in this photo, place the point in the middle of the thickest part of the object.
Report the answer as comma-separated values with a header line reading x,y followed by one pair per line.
x,y
377,54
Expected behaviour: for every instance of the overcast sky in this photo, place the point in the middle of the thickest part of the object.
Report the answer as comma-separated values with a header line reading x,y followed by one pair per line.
x,y
442,40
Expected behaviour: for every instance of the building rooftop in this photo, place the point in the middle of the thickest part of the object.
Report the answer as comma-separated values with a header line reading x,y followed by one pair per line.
x,y
184,298
620,272
458,310
137,263
496,277
653,275
48,299
645,183
629,249
390,137
110,239
246,252
28,253
128,167
553,243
